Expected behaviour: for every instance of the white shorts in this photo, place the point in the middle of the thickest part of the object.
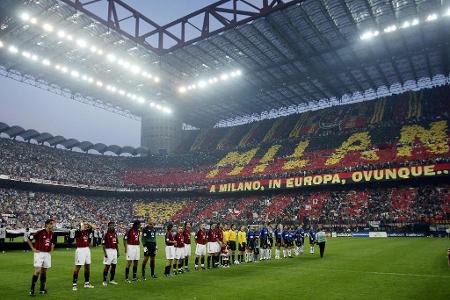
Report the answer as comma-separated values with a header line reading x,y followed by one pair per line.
x,y
133,252
82,256
170,252
200,250
111,257
213,247
42,259
187,249
179,253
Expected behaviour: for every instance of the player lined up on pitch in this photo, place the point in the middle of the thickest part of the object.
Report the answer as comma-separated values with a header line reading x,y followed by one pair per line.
x,y
217,246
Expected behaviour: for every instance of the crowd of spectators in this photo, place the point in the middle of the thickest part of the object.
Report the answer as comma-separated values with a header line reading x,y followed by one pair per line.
x,y
188,170
405,205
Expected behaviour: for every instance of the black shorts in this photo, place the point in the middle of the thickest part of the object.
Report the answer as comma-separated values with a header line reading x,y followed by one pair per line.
x,y
242,247
312,242
150,249
279,243
232,245
298,242
263,244
251,246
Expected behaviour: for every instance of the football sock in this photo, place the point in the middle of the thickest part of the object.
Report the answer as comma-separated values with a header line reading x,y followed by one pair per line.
x,y
105,273
196,261
127,272
186,261
202,260
113,272
143,270
33,281
75,277
43,280
209,261
134,272
86,276
152,266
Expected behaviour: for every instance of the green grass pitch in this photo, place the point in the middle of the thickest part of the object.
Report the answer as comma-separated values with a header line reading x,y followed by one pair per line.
x,y
393,268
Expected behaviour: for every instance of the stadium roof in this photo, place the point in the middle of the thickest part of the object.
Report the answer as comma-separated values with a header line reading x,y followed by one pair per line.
x,y
293,55
41,138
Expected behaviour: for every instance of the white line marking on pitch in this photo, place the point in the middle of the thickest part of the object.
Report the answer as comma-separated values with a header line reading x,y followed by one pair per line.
x,y
387,273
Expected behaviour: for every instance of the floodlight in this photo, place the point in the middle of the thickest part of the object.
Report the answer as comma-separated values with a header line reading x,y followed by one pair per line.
x,y
47,27
13,49
431,17
111,57
135,69
25,16
46,62
390,28
182,89
201,84
81,43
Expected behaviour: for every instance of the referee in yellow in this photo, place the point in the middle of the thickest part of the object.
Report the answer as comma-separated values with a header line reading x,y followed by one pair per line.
x,y
232,242
242,241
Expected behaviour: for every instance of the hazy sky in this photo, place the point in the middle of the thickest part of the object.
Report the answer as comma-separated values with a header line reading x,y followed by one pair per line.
x,y
33,108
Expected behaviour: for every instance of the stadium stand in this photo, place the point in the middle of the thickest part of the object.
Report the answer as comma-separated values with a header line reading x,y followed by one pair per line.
x,y
398,131
388,132
394,207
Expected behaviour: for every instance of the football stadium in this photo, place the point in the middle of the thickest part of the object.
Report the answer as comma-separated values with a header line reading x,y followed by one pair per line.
x,y
225,149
